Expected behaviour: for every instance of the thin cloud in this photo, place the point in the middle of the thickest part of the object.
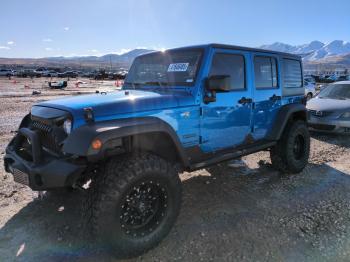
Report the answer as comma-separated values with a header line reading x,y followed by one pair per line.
x,y
48,48
10,42
93,51
4,47
47,40
66,28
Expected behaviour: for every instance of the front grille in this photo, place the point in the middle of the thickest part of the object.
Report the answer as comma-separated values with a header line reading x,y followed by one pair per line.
x,y
48,138
320,113
322,127
41,126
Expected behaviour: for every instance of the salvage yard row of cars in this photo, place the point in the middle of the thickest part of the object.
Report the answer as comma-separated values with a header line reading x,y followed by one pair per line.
x,y
43,72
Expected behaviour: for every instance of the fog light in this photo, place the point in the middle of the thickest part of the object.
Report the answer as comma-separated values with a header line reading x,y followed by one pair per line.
x,y
96,144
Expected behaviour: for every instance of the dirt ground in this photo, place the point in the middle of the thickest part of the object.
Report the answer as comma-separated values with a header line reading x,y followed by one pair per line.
x,y
237,211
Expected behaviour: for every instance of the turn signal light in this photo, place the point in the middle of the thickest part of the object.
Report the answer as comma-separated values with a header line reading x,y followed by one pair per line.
x,y
96,144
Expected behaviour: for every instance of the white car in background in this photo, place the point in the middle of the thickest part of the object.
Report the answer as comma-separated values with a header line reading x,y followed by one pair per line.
x,y
310,89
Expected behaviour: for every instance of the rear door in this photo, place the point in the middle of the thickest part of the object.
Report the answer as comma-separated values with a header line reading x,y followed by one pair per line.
x,y
227,122
267,92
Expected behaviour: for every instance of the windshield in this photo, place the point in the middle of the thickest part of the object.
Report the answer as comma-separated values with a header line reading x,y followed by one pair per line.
x,y
169,68
337,91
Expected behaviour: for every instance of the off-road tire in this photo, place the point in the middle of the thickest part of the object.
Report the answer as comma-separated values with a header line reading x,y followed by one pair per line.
x,y
291,153
113,185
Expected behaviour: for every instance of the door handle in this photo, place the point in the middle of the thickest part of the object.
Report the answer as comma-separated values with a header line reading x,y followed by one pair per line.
x,y
244,100
275,98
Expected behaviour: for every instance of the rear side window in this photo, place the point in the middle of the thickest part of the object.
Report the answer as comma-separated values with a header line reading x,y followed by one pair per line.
x,y
232,65
265,72
292,76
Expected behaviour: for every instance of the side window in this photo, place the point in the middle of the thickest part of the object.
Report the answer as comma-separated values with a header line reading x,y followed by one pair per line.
x,y
265,72
232,65
292,76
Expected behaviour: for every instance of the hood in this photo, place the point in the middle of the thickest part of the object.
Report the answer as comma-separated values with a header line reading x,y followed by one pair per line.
x,y
327,104
122,102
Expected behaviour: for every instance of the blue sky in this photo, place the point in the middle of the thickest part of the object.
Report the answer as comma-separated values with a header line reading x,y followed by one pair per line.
x,y
38,28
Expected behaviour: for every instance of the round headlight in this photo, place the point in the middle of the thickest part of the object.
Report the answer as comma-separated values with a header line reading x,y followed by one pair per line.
x,y
67,126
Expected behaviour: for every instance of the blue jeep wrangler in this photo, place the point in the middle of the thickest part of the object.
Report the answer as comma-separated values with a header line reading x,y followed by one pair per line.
x,y
179,110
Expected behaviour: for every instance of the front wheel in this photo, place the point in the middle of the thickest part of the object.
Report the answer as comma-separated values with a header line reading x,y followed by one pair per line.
x,y
291,154
136,201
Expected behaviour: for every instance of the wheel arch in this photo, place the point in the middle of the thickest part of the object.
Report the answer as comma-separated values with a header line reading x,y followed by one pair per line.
x,y
134,134
287,113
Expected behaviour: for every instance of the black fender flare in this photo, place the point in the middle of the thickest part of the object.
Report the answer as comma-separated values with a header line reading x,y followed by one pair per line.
x,y
282,118
79,141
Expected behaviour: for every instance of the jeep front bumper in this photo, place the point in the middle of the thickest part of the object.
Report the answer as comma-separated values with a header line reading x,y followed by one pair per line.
x,y
43,171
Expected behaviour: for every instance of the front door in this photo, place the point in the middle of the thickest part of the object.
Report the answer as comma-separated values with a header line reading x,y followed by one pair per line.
x,y
226,123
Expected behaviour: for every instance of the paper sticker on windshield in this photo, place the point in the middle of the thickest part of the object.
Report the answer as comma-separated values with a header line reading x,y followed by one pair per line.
x,y
178,67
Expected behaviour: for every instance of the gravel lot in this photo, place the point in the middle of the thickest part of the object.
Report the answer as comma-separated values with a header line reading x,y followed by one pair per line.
x,y
238,211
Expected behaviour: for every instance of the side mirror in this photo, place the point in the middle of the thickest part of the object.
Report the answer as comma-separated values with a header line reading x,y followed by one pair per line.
x,y
219,83
216,83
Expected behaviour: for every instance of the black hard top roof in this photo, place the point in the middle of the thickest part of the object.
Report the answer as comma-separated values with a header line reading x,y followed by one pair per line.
x,y
234,47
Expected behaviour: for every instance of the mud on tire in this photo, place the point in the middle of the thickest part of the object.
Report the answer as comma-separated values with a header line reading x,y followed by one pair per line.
x,y
291,153
133,203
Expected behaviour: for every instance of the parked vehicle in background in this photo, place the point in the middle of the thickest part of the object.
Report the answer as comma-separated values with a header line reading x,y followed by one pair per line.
x,y
6,72
27,73
332,78
329,111
71,74
310,89
179,110
50,73
40,71
310,79
58,84
88,74
343,78
120,75
326,79
101,75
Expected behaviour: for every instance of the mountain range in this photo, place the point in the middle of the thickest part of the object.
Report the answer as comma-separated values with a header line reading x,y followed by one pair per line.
x,y
105,61
315,53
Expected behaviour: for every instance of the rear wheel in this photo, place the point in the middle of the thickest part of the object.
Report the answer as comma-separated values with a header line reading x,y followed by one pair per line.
x,y
291,153
136,201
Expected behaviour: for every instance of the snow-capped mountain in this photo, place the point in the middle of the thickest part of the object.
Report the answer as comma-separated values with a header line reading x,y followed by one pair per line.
x,y
313,51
